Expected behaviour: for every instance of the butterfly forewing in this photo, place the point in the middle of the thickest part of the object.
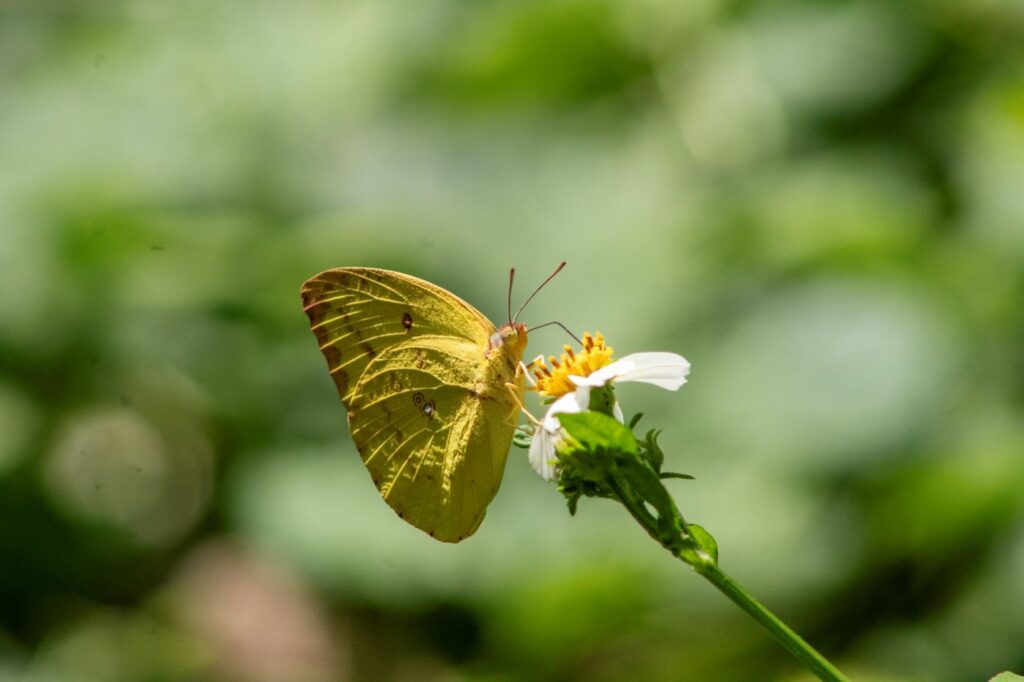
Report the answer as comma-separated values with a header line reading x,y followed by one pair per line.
x,y
357,313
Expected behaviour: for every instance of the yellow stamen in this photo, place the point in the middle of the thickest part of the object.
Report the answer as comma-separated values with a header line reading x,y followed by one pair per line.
x,y
594,355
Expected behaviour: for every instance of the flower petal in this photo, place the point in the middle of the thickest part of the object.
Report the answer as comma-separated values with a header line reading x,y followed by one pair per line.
x,y
588,381
542,448
666,370
542,454
570,403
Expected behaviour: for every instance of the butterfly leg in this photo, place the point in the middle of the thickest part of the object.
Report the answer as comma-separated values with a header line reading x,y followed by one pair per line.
x,y
523,369
513,389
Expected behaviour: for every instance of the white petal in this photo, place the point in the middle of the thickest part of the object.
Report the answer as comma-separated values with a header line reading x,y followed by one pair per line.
x,y
542,454
666,370
542,448
617,411
570,403
589,381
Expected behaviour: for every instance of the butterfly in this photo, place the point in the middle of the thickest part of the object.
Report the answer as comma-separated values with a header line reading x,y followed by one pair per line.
x,y
425,379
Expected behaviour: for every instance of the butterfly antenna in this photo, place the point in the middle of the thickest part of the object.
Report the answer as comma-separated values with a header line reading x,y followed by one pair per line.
x,y
564,328
511,278
550,277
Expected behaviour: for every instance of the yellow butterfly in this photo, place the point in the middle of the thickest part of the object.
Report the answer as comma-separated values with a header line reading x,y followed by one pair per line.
x,y
423,376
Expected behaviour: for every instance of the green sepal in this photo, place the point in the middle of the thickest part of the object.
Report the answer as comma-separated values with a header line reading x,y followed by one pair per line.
x,y
635,420
703,538
595,432
671,474
592,446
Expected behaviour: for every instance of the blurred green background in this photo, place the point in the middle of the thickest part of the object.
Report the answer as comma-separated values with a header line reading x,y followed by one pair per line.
x,y
819,204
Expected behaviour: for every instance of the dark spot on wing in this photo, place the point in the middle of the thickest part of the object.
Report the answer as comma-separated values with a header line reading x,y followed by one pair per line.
x,y
407,321
333,356
341,381
335,277
370,352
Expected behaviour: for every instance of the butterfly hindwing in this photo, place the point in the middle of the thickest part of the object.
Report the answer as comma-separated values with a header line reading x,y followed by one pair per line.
x,y
432,421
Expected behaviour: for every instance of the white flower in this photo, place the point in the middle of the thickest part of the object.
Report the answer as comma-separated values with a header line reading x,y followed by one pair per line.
x,y
666,370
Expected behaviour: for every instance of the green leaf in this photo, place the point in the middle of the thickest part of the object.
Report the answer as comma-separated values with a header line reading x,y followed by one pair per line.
x,y
705,540
1006,677
671,474
596,432
635,420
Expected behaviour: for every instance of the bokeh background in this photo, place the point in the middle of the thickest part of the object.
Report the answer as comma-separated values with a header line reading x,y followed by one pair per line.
x,y
819,204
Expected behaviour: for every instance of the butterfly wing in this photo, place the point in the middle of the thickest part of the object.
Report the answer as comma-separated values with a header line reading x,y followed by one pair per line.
x,y
427,405
358,313
433,422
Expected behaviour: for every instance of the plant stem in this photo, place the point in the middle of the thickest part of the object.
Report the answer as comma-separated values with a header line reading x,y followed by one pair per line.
x,y
792,642
707,567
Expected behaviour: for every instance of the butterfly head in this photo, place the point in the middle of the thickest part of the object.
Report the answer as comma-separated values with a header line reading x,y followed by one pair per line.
x,y
511,337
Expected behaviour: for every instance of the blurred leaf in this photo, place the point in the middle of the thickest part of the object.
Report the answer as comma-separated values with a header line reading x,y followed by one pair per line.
x,y
542,55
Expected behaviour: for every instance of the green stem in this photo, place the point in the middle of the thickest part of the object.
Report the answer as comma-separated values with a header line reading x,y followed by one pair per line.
x,y
635,509
782,633
706,566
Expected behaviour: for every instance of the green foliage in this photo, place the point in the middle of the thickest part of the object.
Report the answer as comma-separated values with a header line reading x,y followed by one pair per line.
x,y
541,56
599,457
818,204
599,434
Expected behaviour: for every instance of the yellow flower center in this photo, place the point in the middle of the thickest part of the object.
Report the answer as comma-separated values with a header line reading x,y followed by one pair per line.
x,y
555,382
